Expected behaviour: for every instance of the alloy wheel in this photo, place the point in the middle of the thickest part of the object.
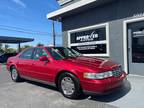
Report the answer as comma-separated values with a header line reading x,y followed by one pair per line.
x,y
14,74
67,86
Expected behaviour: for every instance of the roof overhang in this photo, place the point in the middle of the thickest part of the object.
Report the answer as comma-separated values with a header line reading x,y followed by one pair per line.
x,y
75,7
7,39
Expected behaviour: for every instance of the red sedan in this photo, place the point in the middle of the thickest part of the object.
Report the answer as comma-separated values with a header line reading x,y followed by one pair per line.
x,y
65,68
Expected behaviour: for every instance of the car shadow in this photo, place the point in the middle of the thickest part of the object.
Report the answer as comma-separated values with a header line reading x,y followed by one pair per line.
x,y
118,94
82,97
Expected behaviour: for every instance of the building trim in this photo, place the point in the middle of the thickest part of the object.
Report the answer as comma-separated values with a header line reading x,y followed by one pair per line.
x,y
125,40
69,8
98,42
62,2
133,75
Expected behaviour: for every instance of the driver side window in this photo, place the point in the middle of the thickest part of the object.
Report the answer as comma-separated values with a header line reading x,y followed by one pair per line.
x,y
68,52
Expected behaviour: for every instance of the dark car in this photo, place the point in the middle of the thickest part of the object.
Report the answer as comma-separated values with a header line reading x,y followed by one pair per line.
x,y
4,56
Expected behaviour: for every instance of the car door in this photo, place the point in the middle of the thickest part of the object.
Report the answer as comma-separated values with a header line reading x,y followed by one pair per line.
x,y
42,70
24,62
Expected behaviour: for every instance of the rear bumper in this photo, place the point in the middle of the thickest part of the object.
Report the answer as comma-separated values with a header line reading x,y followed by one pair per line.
x,y
103,87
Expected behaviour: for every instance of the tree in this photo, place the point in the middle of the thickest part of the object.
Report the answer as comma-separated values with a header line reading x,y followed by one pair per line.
x,y
40,44
6,47
1,49
11,50
1,45
25,47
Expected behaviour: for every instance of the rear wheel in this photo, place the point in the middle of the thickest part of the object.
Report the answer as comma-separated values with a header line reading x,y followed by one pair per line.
x,y
69,85
14,74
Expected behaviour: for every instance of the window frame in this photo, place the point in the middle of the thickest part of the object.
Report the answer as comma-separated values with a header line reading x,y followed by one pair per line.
x,y
106,25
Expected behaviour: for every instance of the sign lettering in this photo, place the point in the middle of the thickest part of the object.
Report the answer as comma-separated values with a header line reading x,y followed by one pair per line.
x,y
87,38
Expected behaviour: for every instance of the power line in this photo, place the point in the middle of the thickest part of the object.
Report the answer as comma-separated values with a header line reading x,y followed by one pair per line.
x,y
22,29
27,31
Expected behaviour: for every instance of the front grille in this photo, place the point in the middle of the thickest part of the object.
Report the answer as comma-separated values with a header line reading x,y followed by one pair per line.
x,y
117,71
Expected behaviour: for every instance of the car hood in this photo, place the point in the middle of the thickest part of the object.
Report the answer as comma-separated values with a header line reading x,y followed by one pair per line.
x,y
93,63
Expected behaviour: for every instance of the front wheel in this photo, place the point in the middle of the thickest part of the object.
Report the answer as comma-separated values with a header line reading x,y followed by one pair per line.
x,y
14,75
69,86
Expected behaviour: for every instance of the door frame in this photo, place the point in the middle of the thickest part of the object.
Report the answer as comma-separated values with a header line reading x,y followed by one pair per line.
x,y
125,41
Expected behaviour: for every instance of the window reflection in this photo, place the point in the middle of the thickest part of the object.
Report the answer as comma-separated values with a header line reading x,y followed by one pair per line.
x,y
138,45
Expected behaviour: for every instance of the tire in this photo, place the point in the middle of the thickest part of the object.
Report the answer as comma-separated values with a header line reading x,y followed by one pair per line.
x,y
15,75
69,86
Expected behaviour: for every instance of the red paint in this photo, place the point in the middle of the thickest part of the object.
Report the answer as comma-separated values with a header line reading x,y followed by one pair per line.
x,y
48,71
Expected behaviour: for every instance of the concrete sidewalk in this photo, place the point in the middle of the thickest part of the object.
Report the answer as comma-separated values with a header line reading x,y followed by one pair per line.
x,y
4,75
135,97
34,95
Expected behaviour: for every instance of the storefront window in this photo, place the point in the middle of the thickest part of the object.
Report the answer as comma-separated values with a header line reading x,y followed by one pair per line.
x,y
137,42
90,41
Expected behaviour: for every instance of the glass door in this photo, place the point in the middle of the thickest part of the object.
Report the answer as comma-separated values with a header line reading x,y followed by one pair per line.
x,y
136,47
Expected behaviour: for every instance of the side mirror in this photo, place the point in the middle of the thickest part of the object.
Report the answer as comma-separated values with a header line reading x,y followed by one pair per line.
x,y
43,58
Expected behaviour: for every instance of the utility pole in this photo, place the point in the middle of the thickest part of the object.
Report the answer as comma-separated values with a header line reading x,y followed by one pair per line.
x,y
53,32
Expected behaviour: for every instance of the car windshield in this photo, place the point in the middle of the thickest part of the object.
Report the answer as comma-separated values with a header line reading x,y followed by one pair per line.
x,y
63,53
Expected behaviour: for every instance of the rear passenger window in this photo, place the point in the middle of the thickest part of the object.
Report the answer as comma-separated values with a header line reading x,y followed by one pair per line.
x,y
27,54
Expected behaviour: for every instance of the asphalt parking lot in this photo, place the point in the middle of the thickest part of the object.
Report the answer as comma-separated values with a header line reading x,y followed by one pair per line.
x,y
34,95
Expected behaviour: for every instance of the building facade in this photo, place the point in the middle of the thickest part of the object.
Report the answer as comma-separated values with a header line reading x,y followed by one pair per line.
x,y
111,29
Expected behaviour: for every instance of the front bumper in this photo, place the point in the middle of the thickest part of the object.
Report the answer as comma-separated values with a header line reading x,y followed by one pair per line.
x,y
104,86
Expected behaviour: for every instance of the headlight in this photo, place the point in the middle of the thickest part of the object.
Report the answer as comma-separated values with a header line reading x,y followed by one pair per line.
x,y
98,75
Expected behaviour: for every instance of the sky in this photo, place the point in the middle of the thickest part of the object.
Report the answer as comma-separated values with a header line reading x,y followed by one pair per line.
x,y
31,15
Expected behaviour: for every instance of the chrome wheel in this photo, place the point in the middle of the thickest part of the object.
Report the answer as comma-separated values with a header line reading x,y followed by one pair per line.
x,y
67,86
14,74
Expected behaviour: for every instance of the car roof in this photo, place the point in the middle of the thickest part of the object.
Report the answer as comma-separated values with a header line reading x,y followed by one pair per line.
x,y
49,47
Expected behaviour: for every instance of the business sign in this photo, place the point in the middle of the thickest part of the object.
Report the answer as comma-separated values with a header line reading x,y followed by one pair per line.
x,y
88,35
85,41
139,14
62,2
